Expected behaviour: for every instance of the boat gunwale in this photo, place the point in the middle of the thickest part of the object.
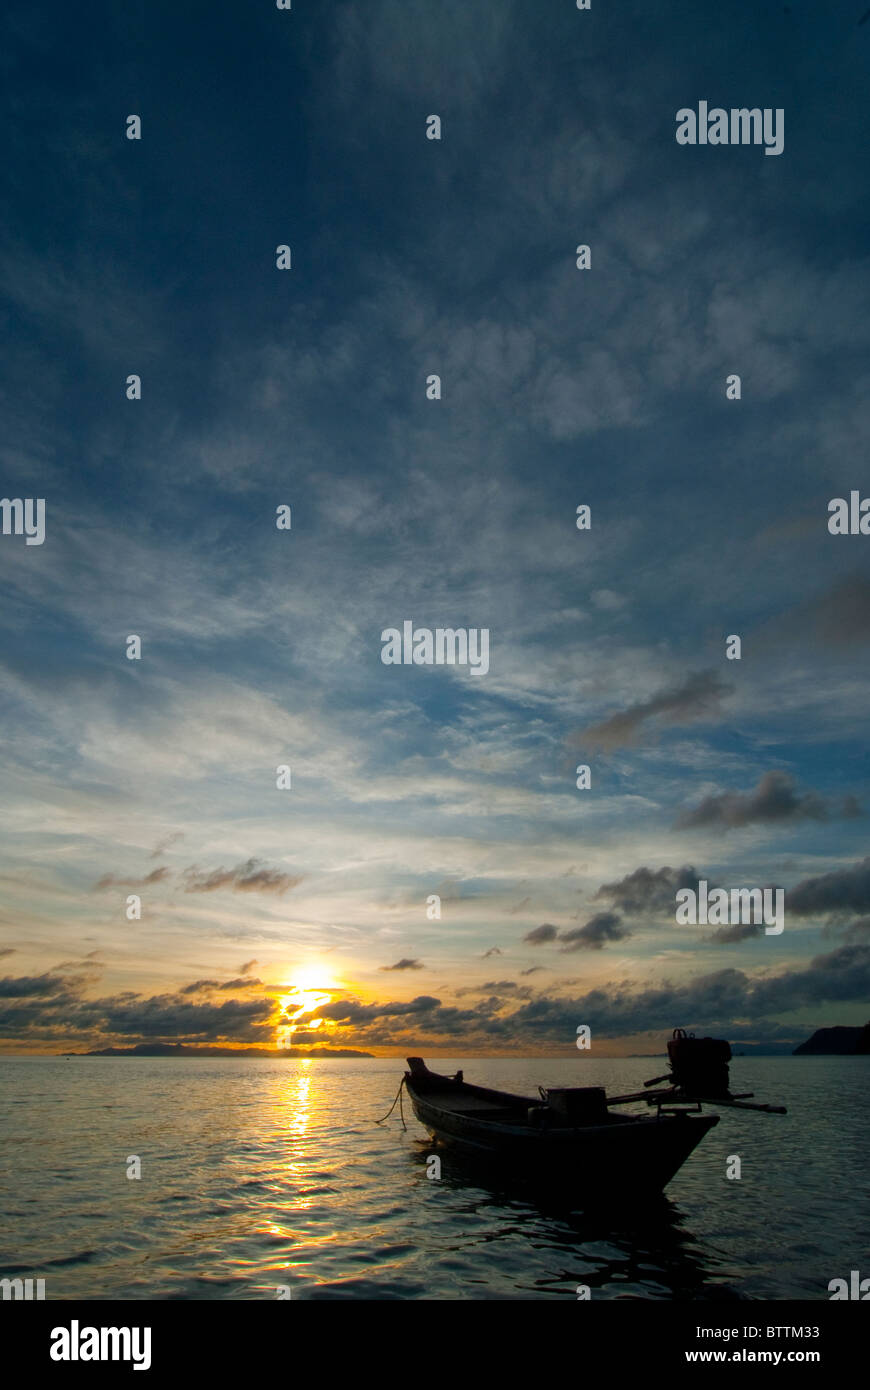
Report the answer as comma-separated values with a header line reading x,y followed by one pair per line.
x,y
555,1135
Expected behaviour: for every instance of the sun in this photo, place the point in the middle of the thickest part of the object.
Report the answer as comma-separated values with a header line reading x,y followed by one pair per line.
x,y
309,977
306,993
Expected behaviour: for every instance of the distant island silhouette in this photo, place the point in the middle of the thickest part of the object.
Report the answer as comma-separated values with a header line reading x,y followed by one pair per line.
x,y
181,1050
825,1042
836,1042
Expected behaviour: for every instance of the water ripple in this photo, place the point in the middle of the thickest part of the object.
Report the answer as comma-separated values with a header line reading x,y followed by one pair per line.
x,y
257,1175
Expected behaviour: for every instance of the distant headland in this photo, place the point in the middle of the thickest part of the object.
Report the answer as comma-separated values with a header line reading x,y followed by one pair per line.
x,y
181,1050
836,1042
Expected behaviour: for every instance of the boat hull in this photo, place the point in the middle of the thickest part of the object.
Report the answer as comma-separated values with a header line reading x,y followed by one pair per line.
x,y
629,1153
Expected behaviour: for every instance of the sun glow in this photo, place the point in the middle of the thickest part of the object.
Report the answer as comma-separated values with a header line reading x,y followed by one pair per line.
x,y
306,994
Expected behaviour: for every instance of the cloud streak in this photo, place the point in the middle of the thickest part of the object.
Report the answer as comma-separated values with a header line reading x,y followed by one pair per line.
x,y
775,800
699,697
250,877
112,881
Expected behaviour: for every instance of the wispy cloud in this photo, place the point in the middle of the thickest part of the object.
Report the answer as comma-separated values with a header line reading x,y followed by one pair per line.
x,y
113,881
776,799
699,696
250,877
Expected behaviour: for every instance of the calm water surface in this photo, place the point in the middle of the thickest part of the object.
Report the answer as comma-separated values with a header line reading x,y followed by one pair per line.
x,y
257,1174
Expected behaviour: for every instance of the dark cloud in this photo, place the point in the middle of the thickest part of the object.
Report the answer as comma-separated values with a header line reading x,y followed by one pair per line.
x,y
840,976
699,697
405,964
32,986
708,1002
532,970
726,1002
842,890
244,878
247,967
493,951
539,935
7,951
603,927
738,931
775,799
241,982
498,988
110,881
649,890
351,1011
53,1007
170,1018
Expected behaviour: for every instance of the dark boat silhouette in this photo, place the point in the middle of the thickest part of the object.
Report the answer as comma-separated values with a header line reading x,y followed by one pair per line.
x,y
574,1131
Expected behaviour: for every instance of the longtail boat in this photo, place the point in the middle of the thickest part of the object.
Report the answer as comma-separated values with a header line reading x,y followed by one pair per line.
x,y
575,1130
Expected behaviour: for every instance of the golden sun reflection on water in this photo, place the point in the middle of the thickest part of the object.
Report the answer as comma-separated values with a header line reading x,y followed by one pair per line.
x,y
297,1106
300,1101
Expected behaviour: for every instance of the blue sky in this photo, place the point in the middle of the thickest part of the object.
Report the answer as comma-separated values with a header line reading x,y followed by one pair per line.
x,y
307,387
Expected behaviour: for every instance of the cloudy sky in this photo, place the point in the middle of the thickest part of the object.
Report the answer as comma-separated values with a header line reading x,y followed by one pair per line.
x,y
261,647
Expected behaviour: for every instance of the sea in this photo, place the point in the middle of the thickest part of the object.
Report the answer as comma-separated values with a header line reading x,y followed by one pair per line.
x,y
271,1178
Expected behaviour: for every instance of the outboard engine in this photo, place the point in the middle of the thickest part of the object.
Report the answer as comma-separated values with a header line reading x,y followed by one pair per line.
x,y
699,1066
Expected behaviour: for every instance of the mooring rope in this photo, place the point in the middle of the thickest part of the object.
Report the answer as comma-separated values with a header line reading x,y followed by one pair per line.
x,y
393,1106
